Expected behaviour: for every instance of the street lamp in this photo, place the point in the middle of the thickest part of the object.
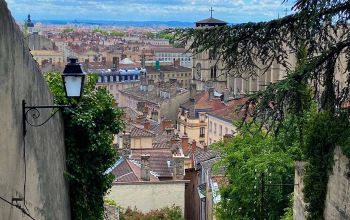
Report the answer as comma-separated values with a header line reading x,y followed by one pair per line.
x,y
73,78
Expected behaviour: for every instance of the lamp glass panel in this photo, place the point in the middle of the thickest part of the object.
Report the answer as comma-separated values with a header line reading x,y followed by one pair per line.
x,y
73,85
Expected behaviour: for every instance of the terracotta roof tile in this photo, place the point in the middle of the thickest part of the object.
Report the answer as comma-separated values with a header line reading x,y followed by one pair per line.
x,y
140,132
129,171
230,112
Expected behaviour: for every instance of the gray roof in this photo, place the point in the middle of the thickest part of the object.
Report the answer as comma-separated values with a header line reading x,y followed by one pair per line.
x,y
211,22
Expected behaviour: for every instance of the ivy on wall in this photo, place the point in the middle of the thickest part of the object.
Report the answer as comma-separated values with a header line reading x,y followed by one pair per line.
x,y
89,130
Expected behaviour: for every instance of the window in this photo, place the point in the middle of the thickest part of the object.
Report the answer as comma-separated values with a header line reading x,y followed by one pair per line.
x,y
214,128
213,72
226,130
202,132
220,130
210,141
111,87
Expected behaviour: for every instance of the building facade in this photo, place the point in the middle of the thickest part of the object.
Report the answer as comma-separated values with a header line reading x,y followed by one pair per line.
x,y
170,54
116,80
169,72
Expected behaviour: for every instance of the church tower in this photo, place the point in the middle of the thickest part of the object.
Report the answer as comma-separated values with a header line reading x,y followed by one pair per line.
x,y
207,71
29,24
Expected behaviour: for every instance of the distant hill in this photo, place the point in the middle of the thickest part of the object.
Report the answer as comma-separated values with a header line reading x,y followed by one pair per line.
x,y
121,23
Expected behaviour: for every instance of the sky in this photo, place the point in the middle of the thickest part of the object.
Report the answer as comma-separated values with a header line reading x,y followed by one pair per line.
x,y
232,11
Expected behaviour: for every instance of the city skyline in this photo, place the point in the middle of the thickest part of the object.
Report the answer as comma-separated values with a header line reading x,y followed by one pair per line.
x,y
150,10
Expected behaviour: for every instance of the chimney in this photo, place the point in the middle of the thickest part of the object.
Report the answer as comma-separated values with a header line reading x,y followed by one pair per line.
x,y
147,125
145,111
184,144
145,174
170,131
178,167
166,123
194,146
126,140
226,95
205,147
139,119
211,93
174,140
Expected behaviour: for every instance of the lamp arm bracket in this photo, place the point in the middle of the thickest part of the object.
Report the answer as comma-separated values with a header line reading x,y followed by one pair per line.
x,y
34,113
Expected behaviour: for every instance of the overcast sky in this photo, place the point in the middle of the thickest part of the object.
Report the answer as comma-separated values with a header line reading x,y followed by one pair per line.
x,y
232,11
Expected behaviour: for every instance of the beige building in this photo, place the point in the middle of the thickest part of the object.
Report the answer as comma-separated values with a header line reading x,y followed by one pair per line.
x,y
220,122
191,119
167,72
147,196
48,56
157,100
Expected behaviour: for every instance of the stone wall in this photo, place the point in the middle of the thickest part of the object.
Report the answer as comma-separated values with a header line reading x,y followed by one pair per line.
x,y
20,79
337,206
298,204
338,189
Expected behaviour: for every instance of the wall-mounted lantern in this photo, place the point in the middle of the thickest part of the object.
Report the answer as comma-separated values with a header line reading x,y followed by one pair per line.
x,y
73,80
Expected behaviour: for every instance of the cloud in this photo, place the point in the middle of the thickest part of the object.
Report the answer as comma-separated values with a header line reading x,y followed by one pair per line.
x,y
234,11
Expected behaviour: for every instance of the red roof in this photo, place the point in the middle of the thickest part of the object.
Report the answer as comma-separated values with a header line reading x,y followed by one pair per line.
x,y
128,171
204,102
230,112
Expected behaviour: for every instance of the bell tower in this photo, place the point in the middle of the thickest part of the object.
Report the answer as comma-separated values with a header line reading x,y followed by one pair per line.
x,y
207,71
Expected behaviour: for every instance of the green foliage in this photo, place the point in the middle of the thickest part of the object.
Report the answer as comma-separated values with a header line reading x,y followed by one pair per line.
x,y
164,34
288,215
116,33
167,213
249,154
68,30
110,202
89,130
109,32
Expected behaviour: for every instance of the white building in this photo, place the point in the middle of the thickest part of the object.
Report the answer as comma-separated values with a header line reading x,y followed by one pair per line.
x,y
171,54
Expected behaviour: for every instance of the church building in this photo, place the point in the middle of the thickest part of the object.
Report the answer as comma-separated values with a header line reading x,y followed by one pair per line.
x,y
206,71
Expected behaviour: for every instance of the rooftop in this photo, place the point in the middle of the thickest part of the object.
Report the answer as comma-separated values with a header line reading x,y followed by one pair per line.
x,y
158,160
129,171
210,22
231,111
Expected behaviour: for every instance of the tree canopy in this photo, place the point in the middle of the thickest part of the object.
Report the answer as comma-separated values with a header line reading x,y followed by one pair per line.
x,y
307,105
